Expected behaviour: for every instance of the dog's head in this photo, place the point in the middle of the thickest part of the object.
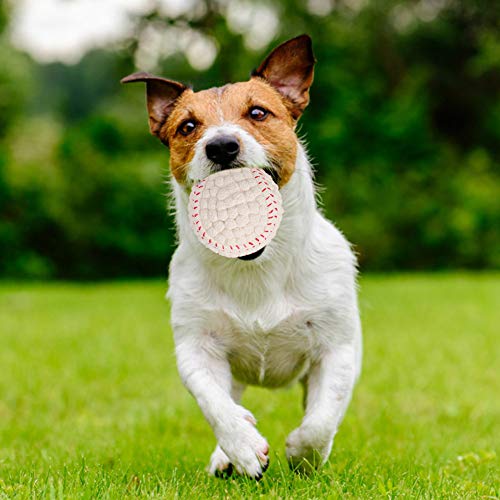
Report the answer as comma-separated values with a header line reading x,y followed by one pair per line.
x,y
241,124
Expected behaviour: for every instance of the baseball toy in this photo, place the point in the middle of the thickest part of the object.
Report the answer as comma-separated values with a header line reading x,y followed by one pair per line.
x,y
236,212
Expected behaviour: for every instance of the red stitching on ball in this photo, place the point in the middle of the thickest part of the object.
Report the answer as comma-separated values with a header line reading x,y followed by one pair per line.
x,y
274,212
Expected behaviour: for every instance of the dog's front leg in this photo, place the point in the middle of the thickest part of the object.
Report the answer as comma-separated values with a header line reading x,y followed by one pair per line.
x,y
328,388
206,373
220,465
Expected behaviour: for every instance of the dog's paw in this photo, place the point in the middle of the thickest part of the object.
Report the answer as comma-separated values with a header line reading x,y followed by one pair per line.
x,y
246,450
308,448
219,465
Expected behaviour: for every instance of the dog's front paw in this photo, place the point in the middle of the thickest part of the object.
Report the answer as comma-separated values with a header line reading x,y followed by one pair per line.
x,y
245,448
308,447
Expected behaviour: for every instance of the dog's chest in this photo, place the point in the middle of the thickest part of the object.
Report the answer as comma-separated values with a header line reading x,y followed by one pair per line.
x,y
269,354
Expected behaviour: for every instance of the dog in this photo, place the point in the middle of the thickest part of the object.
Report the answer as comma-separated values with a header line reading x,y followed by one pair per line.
x,y
287,313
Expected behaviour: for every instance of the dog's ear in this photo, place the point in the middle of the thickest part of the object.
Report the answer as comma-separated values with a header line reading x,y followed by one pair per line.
x,y
161,96
289,68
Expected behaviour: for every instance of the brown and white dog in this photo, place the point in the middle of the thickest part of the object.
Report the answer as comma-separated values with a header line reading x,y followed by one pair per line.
x,y
286,314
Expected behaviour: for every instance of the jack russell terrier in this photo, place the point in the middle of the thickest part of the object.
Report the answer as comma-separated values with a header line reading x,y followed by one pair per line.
x,y
287,313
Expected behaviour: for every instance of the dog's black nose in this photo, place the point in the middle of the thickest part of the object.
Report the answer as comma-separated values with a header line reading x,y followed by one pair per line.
x,y
223,150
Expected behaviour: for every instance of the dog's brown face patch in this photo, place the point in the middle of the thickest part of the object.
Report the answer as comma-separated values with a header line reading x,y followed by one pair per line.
x,y
232,104
267,107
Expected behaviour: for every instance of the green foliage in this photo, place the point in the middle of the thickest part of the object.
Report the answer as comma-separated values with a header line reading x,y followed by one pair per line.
x,y
403,127
92,405
83,203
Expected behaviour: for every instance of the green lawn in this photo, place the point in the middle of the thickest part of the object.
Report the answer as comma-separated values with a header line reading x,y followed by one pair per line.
x,y
91,404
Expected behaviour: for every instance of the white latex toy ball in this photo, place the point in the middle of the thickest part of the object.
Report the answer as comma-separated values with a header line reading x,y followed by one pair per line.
x,y
236,212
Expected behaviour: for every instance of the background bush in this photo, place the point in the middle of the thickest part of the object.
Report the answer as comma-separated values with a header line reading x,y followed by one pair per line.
x,y
403,128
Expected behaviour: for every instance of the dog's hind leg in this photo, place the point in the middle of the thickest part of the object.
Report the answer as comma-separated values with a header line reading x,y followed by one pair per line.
x,y
220,465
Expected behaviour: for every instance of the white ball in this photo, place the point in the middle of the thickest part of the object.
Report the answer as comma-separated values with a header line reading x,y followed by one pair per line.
x,y
236,212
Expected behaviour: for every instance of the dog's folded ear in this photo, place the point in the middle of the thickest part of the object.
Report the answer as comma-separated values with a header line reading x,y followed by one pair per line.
x,y
289,68
161,96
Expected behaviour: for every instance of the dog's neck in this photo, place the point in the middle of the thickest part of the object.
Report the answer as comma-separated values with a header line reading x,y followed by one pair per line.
x,y
284,252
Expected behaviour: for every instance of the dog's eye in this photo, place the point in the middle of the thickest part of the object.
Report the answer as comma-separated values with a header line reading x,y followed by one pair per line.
x,y
257,113
187,126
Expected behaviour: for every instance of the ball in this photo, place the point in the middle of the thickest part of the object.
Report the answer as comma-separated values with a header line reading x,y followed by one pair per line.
x,y
236,212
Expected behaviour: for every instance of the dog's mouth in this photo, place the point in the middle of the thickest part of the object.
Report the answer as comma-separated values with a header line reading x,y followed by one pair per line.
x,y
273,172
252,256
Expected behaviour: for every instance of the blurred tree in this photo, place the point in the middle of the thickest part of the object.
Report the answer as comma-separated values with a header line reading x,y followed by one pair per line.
x,y
15,84
403,127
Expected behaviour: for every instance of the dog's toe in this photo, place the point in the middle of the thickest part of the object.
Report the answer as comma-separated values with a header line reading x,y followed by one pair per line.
x,y
264,468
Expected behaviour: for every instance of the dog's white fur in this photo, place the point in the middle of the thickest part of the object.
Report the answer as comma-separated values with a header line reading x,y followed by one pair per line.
x,y
291,314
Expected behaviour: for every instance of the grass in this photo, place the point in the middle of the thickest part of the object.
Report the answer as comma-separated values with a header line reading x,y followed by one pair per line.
x,y
91,405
